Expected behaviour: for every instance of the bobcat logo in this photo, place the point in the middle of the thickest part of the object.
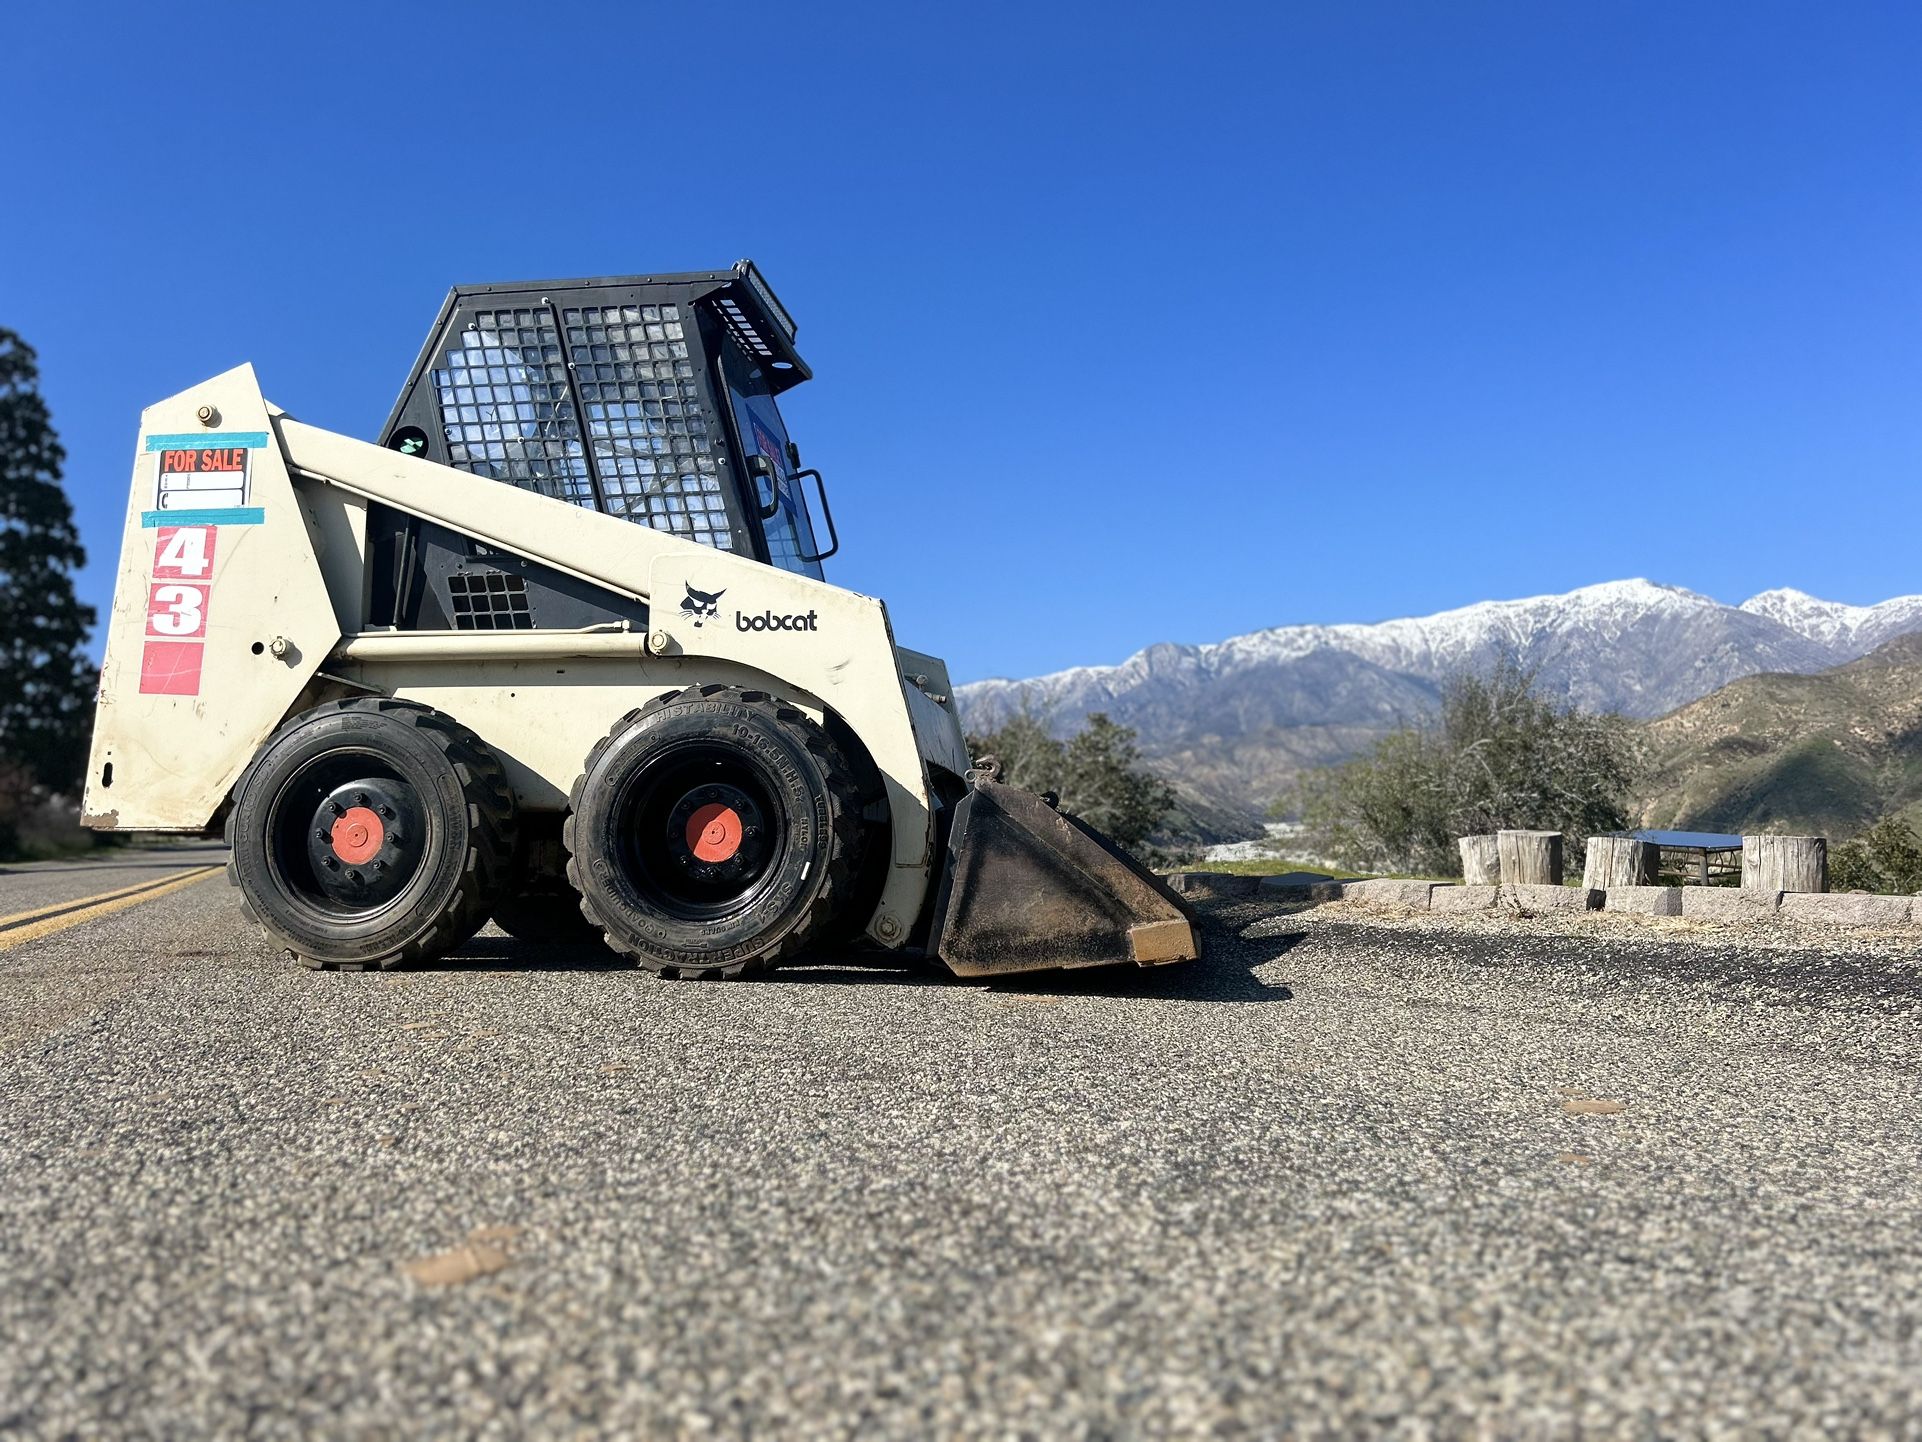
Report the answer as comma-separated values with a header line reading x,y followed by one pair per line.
x,y
698,606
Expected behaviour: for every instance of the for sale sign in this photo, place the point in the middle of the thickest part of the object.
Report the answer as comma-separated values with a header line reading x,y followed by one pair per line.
x,y
201,478
204,476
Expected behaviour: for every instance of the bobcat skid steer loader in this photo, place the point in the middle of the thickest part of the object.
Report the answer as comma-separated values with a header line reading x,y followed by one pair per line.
x,y
558,650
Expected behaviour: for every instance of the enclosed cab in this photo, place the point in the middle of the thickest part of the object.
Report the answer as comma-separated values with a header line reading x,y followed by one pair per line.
x,y
653,399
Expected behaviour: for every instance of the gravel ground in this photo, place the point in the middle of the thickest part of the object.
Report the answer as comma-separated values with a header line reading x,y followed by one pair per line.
x,y
1336,1179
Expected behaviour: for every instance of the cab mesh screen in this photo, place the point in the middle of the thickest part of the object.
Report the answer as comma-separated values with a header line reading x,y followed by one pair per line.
x,y
508,415
489,601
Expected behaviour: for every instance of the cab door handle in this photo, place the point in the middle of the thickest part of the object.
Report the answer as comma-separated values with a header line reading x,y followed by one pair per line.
x,y
834,537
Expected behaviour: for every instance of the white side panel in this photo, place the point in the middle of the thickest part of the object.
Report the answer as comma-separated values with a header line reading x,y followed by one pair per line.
x,y
337,527
216,566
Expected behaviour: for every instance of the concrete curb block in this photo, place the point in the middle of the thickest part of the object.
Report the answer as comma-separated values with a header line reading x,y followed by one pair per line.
x,y
1412,894
1729,903
1644,900
1844,908
1463,898
1551,898
1732,905
1292,890
1212,885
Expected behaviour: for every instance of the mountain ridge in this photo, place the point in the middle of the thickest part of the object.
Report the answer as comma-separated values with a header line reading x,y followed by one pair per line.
x,y
1232,722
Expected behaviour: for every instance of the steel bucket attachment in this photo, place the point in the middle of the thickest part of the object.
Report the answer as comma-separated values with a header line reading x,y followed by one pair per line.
x,y
1029,889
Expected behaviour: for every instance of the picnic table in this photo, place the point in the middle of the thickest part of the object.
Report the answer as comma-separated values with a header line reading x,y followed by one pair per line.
x,y
1697,855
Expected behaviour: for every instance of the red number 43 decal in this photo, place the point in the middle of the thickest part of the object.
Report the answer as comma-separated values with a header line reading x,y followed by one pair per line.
x,y
184,553
176,610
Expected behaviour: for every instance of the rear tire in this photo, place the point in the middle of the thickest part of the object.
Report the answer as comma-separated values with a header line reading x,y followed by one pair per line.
x,y
715,833
369,833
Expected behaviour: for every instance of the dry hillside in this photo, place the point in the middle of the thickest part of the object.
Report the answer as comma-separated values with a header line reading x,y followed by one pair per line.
x,y
1826,753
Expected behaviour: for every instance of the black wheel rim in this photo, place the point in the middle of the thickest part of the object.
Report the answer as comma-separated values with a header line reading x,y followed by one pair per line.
x,y
348,835
700,830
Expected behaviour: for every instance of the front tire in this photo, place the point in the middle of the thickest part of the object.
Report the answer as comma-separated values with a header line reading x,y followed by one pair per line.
x,y
371,832
715,832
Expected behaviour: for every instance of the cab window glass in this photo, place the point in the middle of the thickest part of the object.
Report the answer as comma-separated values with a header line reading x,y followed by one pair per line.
x,y
790,533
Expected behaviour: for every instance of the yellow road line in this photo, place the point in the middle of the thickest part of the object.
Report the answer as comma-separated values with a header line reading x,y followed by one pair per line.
x,y
21,918
25,926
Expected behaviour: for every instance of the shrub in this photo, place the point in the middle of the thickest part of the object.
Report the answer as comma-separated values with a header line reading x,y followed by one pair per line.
x,y
1500,756
1886,858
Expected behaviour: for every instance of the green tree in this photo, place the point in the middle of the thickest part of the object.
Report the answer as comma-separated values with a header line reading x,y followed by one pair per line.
x,y
1103,782
1501,755
1097,772
1885,858
46,681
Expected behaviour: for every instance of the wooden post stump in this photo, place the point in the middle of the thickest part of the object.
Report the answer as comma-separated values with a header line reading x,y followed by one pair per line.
x,y
1785,863
1481,861
1530,858
1619,861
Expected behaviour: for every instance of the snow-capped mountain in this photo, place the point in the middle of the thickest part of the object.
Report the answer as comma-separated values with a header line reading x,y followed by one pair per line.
x,y
1234,720
1858,629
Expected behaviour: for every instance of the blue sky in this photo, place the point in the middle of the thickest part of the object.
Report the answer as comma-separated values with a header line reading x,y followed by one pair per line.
x,y
1128,323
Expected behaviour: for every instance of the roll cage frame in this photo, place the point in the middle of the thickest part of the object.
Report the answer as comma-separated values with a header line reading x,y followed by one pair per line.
x,y
641,426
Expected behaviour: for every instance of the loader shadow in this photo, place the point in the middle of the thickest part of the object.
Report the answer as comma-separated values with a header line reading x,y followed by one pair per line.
x,y
1226,971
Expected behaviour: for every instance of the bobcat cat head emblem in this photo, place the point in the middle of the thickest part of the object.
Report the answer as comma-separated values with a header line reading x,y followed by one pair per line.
x,y
698,606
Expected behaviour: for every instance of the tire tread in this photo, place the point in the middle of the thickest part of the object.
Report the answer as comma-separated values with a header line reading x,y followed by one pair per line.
x,y
844,836
491,822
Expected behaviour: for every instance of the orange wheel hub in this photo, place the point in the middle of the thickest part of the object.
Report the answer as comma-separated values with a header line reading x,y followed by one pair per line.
x,y
358,835
714,832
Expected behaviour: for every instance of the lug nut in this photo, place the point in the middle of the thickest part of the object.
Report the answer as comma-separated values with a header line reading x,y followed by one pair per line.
x,y
380,866
360,798
323,835
353,876
331,864
386,812
339,810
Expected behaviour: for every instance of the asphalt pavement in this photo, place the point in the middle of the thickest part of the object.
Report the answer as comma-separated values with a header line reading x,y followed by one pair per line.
x,y
1332,1180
